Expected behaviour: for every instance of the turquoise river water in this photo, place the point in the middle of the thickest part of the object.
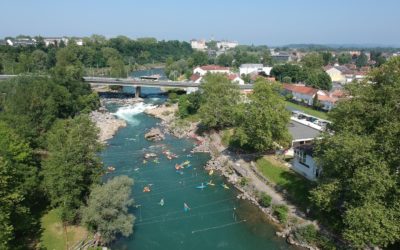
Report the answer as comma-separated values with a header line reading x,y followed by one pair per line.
x,y
216,218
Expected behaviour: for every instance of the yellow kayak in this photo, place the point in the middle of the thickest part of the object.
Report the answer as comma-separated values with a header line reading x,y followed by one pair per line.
x,y
210,183
211,172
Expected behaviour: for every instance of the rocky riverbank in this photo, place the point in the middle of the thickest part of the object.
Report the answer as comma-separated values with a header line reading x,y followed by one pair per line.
x,y
234,168
107,123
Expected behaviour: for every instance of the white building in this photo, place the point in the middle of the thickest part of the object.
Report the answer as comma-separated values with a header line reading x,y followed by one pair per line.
x,y
57,40
254,68
224,45
304,163
202,70
198,44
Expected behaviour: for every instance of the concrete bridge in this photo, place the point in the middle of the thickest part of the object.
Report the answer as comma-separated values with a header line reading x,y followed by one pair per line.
x,y
141,83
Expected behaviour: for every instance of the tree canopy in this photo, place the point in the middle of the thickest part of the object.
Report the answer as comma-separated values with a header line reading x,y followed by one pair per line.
x,y
220,99
359,187
263,121
72,165
107,209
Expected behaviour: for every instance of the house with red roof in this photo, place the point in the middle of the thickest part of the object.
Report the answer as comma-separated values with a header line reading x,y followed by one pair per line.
x,y
202,70
196,78
301,93
236,79
305,94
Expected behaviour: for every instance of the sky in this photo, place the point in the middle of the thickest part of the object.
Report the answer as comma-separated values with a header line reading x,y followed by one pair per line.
x,y
266,22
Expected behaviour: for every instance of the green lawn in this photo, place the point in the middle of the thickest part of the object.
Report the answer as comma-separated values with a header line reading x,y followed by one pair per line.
x,y
296,186
307,110
54,236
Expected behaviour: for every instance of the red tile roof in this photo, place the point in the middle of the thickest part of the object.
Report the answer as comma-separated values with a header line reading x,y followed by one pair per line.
x,y
195,77
232,77
337,93
213,67
300,89
327,98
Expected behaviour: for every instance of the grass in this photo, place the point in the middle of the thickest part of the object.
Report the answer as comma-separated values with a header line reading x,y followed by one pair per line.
x,y
55,237
307,110
296,186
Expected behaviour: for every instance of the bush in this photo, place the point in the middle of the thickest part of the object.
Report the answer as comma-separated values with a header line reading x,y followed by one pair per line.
x,y
244,181
307,234
281,212
265,200
310,235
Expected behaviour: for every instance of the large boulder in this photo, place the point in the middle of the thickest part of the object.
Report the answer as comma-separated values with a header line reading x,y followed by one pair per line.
x,y
154,134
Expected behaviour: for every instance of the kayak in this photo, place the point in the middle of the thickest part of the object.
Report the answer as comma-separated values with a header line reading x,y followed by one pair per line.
x,y
161,202
186,163
210,183
211,172
224,186
186,208
201,186
177,167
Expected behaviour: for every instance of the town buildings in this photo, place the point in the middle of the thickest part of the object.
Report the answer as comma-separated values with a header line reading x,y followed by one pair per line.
x,y
198,44
247,69
202,70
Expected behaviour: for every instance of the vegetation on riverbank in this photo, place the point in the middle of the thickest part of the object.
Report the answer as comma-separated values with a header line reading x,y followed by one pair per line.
x,y
48,150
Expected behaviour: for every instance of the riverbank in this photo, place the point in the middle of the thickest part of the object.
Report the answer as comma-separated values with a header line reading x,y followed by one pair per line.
x,y
107,123
235,168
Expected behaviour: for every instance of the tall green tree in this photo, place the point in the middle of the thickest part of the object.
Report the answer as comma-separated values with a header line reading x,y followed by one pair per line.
x,y
344,58
72,165
18,187
359,187
263,122
317,78
220,99
107,210
362,60
313,60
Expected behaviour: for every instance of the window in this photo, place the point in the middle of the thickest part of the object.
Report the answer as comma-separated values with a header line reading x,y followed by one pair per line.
x,y
301,157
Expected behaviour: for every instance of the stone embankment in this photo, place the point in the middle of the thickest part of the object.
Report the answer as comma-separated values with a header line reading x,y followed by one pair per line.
x,y
107,123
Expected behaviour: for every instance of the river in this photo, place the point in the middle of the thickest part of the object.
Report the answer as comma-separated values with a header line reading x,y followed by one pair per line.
x,y
216,218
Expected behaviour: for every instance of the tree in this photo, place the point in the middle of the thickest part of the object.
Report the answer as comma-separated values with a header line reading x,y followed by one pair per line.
x,y
18,187
359,186
266,58
362,60
295,72
72,165
107,209
317,78
39,59
225,60
327,57
344,58
68,67
200,58
263,123
316,103
220,98
313,60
